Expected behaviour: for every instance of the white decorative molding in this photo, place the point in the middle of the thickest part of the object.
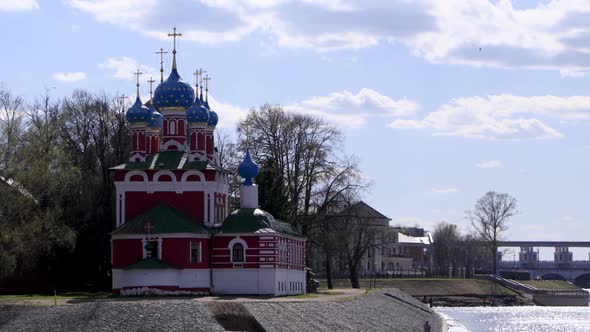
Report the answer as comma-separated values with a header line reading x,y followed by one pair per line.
x,y
158,174
137,156
179,147
162,236
129,175
230,247
192,172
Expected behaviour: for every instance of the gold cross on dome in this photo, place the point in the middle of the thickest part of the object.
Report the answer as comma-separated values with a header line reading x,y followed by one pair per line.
x,y
148,228
197,73
137,73
151,82
207,79
174,35
161,64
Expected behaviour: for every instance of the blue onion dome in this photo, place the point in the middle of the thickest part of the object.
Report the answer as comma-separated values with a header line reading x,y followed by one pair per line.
x,y
198,113
138,112
156,118
213,119
248,169
174,92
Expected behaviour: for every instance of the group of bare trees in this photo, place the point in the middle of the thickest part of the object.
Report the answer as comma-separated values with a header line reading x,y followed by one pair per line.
x,y
489,220
55,188
307,180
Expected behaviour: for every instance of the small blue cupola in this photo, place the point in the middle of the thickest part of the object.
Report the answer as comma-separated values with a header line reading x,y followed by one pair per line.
x,y
248,169
156,118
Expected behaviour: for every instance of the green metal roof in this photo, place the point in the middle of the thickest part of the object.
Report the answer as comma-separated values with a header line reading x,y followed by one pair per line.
x,y
255,221
164,219
150,263
168,160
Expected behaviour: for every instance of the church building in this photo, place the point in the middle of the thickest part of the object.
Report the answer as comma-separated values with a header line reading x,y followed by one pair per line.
x,y
174,233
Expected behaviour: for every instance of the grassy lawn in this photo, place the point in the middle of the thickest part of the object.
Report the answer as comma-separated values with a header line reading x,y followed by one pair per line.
x,y
68,295
432,286
548,284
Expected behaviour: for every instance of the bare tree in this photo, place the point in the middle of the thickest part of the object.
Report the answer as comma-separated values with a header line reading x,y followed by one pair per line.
x,y
300,146
229,159
337,187
11,126
360,236
490,218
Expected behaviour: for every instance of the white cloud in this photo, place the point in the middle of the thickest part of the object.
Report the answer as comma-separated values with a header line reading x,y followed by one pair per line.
x,y
18,5
489,164
124,68
549,35
229,115
502,117
445,190
344,109
352,110
70,77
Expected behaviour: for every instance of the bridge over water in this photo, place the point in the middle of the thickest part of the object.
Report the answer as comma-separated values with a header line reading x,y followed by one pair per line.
x,y
562,267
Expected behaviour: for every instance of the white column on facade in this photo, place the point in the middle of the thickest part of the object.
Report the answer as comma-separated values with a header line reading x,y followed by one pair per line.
x,y
118,207
159,248
211,208
205,207
123,219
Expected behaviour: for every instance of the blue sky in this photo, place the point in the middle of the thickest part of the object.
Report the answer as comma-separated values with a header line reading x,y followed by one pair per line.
x,y
441,100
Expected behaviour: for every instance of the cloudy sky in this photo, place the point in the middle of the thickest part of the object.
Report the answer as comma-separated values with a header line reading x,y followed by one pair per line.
x,y
442,100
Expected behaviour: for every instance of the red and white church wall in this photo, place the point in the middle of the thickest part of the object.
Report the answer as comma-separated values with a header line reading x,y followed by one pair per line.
x,y
270,264
188,253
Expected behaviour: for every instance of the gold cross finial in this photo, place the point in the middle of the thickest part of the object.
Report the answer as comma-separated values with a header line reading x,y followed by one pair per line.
x,y
196,73
161,64
207,79
151,82
174,35
122,100
198,78
137,73
148,228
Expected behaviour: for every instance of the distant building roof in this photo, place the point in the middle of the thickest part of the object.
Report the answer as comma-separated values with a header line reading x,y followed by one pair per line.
x,y
364,210
406,239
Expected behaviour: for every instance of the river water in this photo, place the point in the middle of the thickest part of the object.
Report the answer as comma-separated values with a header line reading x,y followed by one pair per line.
x,y
513,319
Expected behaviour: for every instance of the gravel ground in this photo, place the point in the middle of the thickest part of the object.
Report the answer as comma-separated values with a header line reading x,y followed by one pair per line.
x,y
138,315
387,310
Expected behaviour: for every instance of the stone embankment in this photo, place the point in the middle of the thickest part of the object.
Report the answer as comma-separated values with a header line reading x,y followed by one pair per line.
x,y
386,310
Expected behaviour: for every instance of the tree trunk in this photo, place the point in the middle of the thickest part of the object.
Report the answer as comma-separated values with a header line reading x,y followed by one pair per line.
x,y
495,259
354,277
329,271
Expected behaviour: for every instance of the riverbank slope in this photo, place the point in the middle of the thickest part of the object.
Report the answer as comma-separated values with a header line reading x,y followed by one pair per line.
x,y
384,310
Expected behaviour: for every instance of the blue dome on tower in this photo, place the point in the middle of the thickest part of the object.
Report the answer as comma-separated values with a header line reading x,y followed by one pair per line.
x,y
248,169
156,118
174,92
213,118
138,112
198,113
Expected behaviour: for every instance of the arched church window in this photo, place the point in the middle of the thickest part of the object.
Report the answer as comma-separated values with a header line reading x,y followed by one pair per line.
x,y
237,253
172,127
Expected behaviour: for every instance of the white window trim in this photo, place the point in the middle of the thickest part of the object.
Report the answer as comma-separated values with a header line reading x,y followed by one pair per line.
x,y
231,246
190,247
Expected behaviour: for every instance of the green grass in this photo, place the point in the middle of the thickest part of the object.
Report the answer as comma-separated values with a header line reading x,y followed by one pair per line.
x,y
431,286
303,296
67,296
548,284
